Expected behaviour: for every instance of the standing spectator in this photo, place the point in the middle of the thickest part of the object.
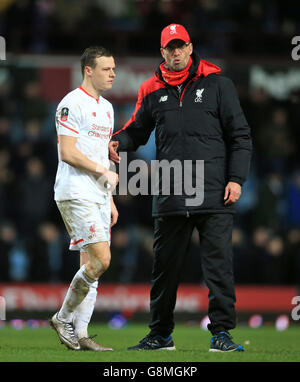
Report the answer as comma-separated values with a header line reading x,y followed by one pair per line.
x,y
7,182
34,195
293,257
268,211
46,249
276,141
293,201
14,261
258,253
7,240
33,105
272,265
242,259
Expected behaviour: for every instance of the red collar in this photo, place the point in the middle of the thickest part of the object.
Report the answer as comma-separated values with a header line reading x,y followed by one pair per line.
x,y
175,78
81,88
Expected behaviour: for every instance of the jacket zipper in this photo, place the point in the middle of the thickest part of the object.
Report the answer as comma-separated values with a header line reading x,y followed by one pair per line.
x,y
180,105
182,94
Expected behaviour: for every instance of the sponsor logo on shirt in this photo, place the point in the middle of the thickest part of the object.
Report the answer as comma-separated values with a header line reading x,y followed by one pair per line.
x,y
103,132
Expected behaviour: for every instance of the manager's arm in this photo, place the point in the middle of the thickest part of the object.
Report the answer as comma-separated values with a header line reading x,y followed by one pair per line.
x,y
137,130
236,131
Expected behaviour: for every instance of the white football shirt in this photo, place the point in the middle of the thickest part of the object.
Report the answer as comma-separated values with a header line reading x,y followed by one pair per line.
x,y
91,121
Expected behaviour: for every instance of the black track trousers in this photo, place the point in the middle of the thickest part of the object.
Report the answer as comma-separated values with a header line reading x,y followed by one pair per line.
x,y
172,236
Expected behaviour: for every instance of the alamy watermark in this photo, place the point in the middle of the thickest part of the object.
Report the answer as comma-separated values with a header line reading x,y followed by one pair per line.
x,y
2,308
296,50
162,177
2,48
296,310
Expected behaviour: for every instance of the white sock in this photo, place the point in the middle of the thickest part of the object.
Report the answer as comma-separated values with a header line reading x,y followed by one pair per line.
x,y
77,291
84,311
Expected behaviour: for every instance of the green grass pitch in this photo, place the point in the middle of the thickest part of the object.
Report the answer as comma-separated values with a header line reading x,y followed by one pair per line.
x,y
42,345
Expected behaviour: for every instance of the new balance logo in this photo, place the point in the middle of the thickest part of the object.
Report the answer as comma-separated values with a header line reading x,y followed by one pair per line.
x,y
163,98
199,93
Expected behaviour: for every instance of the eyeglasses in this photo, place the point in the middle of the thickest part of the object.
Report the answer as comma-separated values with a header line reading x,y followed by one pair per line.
x,y
171,49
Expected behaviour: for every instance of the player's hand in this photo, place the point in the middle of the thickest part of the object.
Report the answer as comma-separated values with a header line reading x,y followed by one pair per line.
x,y
110,178
113,155
114,214
233,191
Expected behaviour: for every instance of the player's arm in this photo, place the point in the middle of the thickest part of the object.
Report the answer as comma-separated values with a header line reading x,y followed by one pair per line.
x,y
73,157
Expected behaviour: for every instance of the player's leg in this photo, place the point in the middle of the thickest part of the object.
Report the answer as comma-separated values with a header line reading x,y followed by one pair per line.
x,y
62,320
84,257
84,311
71,211
82,232
98,259
85,279
85,226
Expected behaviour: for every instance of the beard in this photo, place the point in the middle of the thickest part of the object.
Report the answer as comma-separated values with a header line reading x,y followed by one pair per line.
x,y
178,67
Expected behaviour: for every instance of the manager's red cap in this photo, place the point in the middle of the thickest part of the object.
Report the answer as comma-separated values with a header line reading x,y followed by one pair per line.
x,y
173,32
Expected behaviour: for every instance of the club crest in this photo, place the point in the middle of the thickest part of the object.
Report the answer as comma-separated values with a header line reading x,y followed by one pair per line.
x,y
199,94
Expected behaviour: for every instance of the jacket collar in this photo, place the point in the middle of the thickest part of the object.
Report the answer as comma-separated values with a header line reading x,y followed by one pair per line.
x,y
198,68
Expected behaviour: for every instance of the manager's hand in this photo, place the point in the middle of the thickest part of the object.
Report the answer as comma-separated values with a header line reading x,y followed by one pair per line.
x,y
113,155
233,191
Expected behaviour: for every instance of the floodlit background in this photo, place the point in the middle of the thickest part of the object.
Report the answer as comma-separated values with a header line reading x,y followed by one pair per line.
x,y
250,40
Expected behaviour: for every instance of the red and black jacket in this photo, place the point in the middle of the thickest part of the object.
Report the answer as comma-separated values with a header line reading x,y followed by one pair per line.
x,y
203,122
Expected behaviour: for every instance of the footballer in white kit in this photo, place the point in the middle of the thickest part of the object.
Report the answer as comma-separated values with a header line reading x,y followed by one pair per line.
x,y
83,200
83,192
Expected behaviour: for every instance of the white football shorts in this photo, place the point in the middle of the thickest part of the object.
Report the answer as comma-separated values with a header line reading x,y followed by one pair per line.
x,y
86,222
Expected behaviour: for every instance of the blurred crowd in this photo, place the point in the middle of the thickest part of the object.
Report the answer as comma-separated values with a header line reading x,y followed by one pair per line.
x,y
133,26
33,240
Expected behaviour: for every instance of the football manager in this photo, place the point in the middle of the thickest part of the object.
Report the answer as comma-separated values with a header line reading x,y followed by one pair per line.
x,y
197,117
